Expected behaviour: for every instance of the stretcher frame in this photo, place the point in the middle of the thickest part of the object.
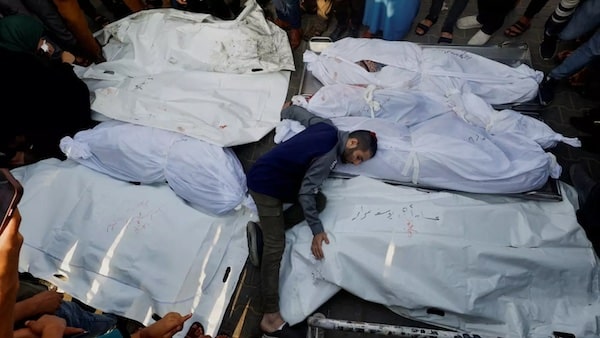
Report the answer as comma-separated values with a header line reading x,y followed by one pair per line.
x,y
511,54
318,323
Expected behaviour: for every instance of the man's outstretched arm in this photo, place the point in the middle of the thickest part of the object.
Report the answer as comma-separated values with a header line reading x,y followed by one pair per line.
x,y
303,116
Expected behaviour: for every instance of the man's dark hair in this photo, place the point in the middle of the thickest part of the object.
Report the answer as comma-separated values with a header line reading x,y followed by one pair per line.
x,y
367,140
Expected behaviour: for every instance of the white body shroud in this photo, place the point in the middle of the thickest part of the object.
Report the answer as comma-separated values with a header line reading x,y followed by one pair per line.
x,y
127,249
209,177
435,70
190,73
496,265
457,142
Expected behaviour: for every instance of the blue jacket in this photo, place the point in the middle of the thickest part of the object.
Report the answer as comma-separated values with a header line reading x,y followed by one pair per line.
x,y
295,169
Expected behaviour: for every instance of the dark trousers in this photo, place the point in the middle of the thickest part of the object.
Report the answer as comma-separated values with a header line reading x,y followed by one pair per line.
x,y
492,13
458,6
274,221
534,7
349,11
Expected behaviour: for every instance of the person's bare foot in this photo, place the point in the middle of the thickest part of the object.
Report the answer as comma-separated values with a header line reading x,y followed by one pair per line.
x,y
423,26
445,37
196,330
271,322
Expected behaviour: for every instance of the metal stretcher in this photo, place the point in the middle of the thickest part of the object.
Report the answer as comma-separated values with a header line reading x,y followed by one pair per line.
x,y
318,323
511,54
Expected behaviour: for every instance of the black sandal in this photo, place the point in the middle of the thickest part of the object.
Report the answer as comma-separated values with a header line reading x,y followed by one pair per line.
x,y
424,27
444,39
516,29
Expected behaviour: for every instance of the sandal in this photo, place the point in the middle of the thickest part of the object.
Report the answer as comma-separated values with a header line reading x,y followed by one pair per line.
x,y
424,27
445,39
517,29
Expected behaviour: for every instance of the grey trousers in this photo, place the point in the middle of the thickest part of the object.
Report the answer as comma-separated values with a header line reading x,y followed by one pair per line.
x,y
274,221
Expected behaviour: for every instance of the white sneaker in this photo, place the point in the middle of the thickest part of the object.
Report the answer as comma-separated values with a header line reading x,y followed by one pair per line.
x,y
468,22
480,38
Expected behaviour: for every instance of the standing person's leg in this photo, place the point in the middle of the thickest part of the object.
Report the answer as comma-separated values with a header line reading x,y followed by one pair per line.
x,y
270,213
491,16
357,11
434,13
554,25
341,9
454,12
584,19
572,64
578,59
524,22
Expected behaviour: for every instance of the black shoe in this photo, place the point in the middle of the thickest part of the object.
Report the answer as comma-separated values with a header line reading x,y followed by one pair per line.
x,y
255,243
339,32
546,90
548,47
587,124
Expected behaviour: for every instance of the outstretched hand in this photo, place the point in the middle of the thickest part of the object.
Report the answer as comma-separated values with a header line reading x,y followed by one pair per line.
x,y
317,244
51,326
169,325
46,302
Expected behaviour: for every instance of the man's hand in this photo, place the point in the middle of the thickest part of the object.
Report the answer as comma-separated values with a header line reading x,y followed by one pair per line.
x,y
169,325
67,57
317,244
46,302
51,326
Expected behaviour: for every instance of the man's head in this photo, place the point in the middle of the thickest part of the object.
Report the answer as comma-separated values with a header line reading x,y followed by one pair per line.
x,y
360,146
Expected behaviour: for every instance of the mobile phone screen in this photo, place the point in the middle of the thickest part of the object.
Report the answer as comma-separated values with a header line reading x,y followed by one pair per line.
x,y
10,195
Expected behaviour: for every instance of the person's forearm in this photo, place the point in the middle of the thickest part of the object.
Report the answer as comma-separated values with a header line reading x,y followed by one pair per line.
x,y
302,115
25,309
8,295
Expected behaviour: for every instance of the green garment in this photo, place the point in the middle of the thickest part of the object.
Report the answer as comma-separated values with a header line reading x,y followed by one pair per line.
x,y
20,33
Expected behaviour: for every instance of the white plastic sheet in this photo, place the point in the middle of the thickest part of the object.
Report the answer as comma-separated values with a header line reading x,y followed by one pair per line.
x,y
127,249
209,177
192,74
436,70
494,265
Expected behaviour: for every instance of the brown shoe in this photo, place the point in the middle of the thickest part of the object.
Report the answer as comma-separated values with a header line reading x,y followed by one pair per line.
x,y
295,36
282,24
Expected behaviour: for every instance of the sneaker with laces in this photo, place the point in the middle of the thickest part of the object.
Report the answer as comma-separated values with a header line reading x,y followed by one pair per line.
x,y
548,47
546,90
468,22
255,243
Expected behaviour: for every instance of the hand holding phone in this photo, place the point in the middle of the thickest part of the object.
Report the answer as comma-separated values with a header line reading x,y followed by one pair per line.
x,y
11,192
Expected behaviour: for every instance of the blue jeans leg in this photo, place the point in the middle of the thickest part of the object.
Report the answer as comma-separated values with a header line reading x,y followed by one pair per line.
x,y
579,58
76,316
585,18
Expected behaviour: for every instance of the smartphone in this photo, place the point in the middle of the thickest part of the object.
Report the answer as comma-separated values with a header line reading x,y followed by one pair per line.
x,y
11,192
